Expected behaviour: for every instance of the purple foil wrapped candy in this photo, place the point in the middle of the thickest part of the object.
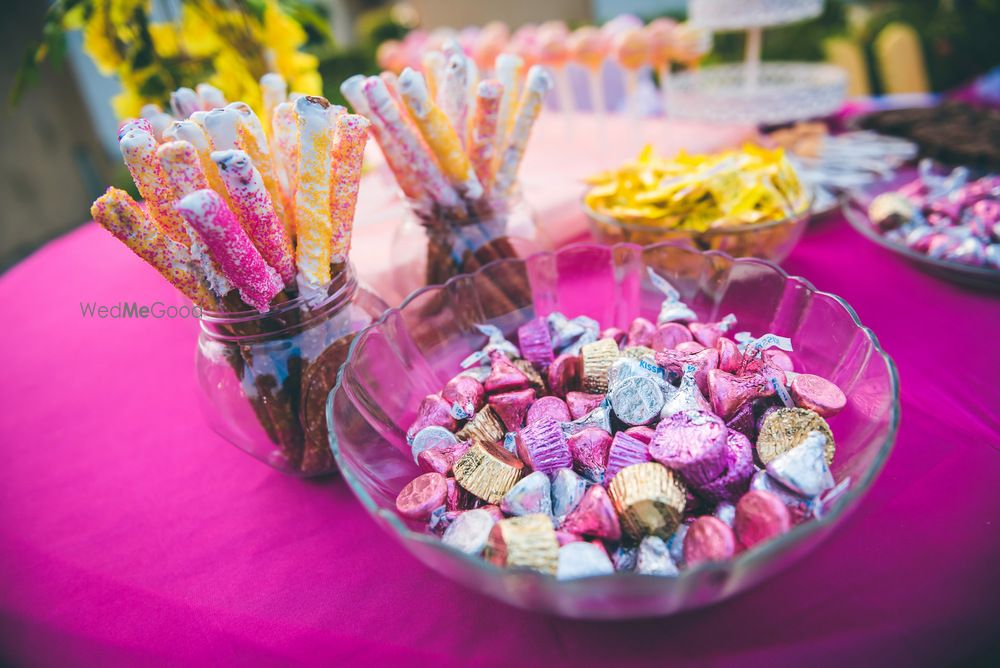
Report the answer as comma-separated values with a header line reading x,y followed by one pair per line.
x,y
594,516
543,447
735,479
692,443
626,450
535,342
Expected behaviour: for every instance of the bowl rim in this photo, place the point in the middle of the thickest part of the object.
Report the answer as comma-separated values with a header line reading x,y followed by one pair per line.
x,y
761,553
794,219
857,216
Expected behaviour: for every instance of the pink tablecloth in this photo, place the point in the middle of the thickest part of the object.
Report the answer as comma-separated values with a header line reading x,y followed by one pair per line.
x,y
132,535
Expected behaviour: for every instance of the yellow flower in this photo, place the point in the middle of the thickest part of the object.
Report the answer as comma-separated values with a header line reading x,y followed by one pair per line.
x,y
281,32
198,37
98,44
164,36
127,103
234,79
308,83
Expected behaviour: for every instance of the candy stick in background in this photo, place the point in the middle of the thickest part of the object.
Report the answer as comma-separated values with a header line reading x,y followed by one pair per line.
x,y
182,167
140,124
510,69
660,35
209,96
255,210
138,148
223,127
273,91
285,149
588,47
482,135
254,140
409,182
183,103
433,64
439,134
312,198
413,153
391,55
119,214
453,98
348,155
242,263
194,134
631,50
488,45
524,42
537,85
158,119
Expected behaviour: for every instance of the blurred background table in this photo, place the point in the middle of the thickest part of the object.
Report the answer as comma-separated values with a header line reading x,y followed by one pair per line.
x,y
130,534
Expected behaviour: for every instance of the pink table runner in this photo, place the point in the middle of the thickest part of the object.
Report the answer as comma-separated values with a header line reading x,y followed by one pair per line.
x,y
132,535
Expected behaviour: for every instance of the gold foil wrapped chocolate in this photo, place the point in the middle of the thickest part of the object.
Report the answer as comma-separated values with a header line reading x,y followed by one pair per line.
x,y
649,499
597,360
488,471
484,428
785,428
534,378
639,352
749,186
524,542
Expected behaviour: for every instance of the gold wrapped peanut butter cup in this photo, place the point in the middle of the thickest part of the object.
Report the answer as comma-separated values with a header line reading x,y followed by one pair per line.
x,y
597,360
488,471
484,428
785,428
649,499
524,542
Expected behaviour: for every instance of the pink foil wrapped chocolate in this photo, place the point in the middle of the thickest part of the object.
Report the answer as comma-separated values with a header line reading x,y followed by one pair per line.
x,y
594,516
642,433
466,396
670,335
817,394
760,516
504,376
734,481
703,361
582,403
564,375
551,407
692,443
641,333
708,539
512,407
707,334
589,449
433,411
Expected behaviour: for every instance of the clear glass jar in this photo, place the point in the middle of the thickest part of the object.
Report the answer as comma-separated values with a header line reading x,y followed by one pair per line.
x,y
264,377
431,246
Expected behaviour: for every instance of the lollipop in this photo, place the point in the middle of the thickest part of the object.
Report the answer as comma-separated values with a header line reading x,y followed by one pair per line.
x,y
588,48
660,36
489,43
631,50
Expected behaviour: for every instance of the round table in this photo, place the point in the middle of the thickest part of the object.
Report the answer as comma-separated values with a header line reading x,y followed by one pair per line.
x,y
130,534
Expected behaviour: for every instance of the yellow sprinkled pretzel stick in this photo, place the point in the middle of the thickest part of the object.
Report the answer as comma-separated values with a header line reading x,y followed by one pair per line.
x,y
314,225
195,135
406,178
184,102
441,137
209,96
539,82
138,148
510,69
119,214
285,150
255,143
348,155
183,171
432,64
482,136
454,95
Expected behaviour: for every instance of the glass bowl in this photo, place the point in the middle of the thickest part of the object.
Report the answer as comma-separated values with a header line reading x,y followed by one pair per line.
x,y
773,240
412,350
855,208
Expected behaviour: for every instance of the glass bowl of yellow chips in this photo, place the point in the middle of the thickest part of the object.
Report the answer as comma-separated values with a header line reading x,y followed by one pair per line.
x,y
747,202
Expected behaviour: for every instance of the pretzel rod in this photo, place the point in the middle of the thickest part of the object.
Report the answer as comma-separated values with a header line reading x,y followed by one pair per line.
x,y
223,127
538,83
254,140
482,137
184,102
453,97
139,151
119,214
209,96
439,133
433,64
183,170
256,212
411,150
159,121
207,213
195,135
407,180
509,69
140,124
348,155
314,226
273,91
285,149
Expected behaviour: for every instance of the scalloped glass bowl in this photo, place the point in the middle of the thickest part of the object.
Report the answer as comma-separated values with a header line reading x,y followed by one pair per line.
x,y
772,240
414,349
